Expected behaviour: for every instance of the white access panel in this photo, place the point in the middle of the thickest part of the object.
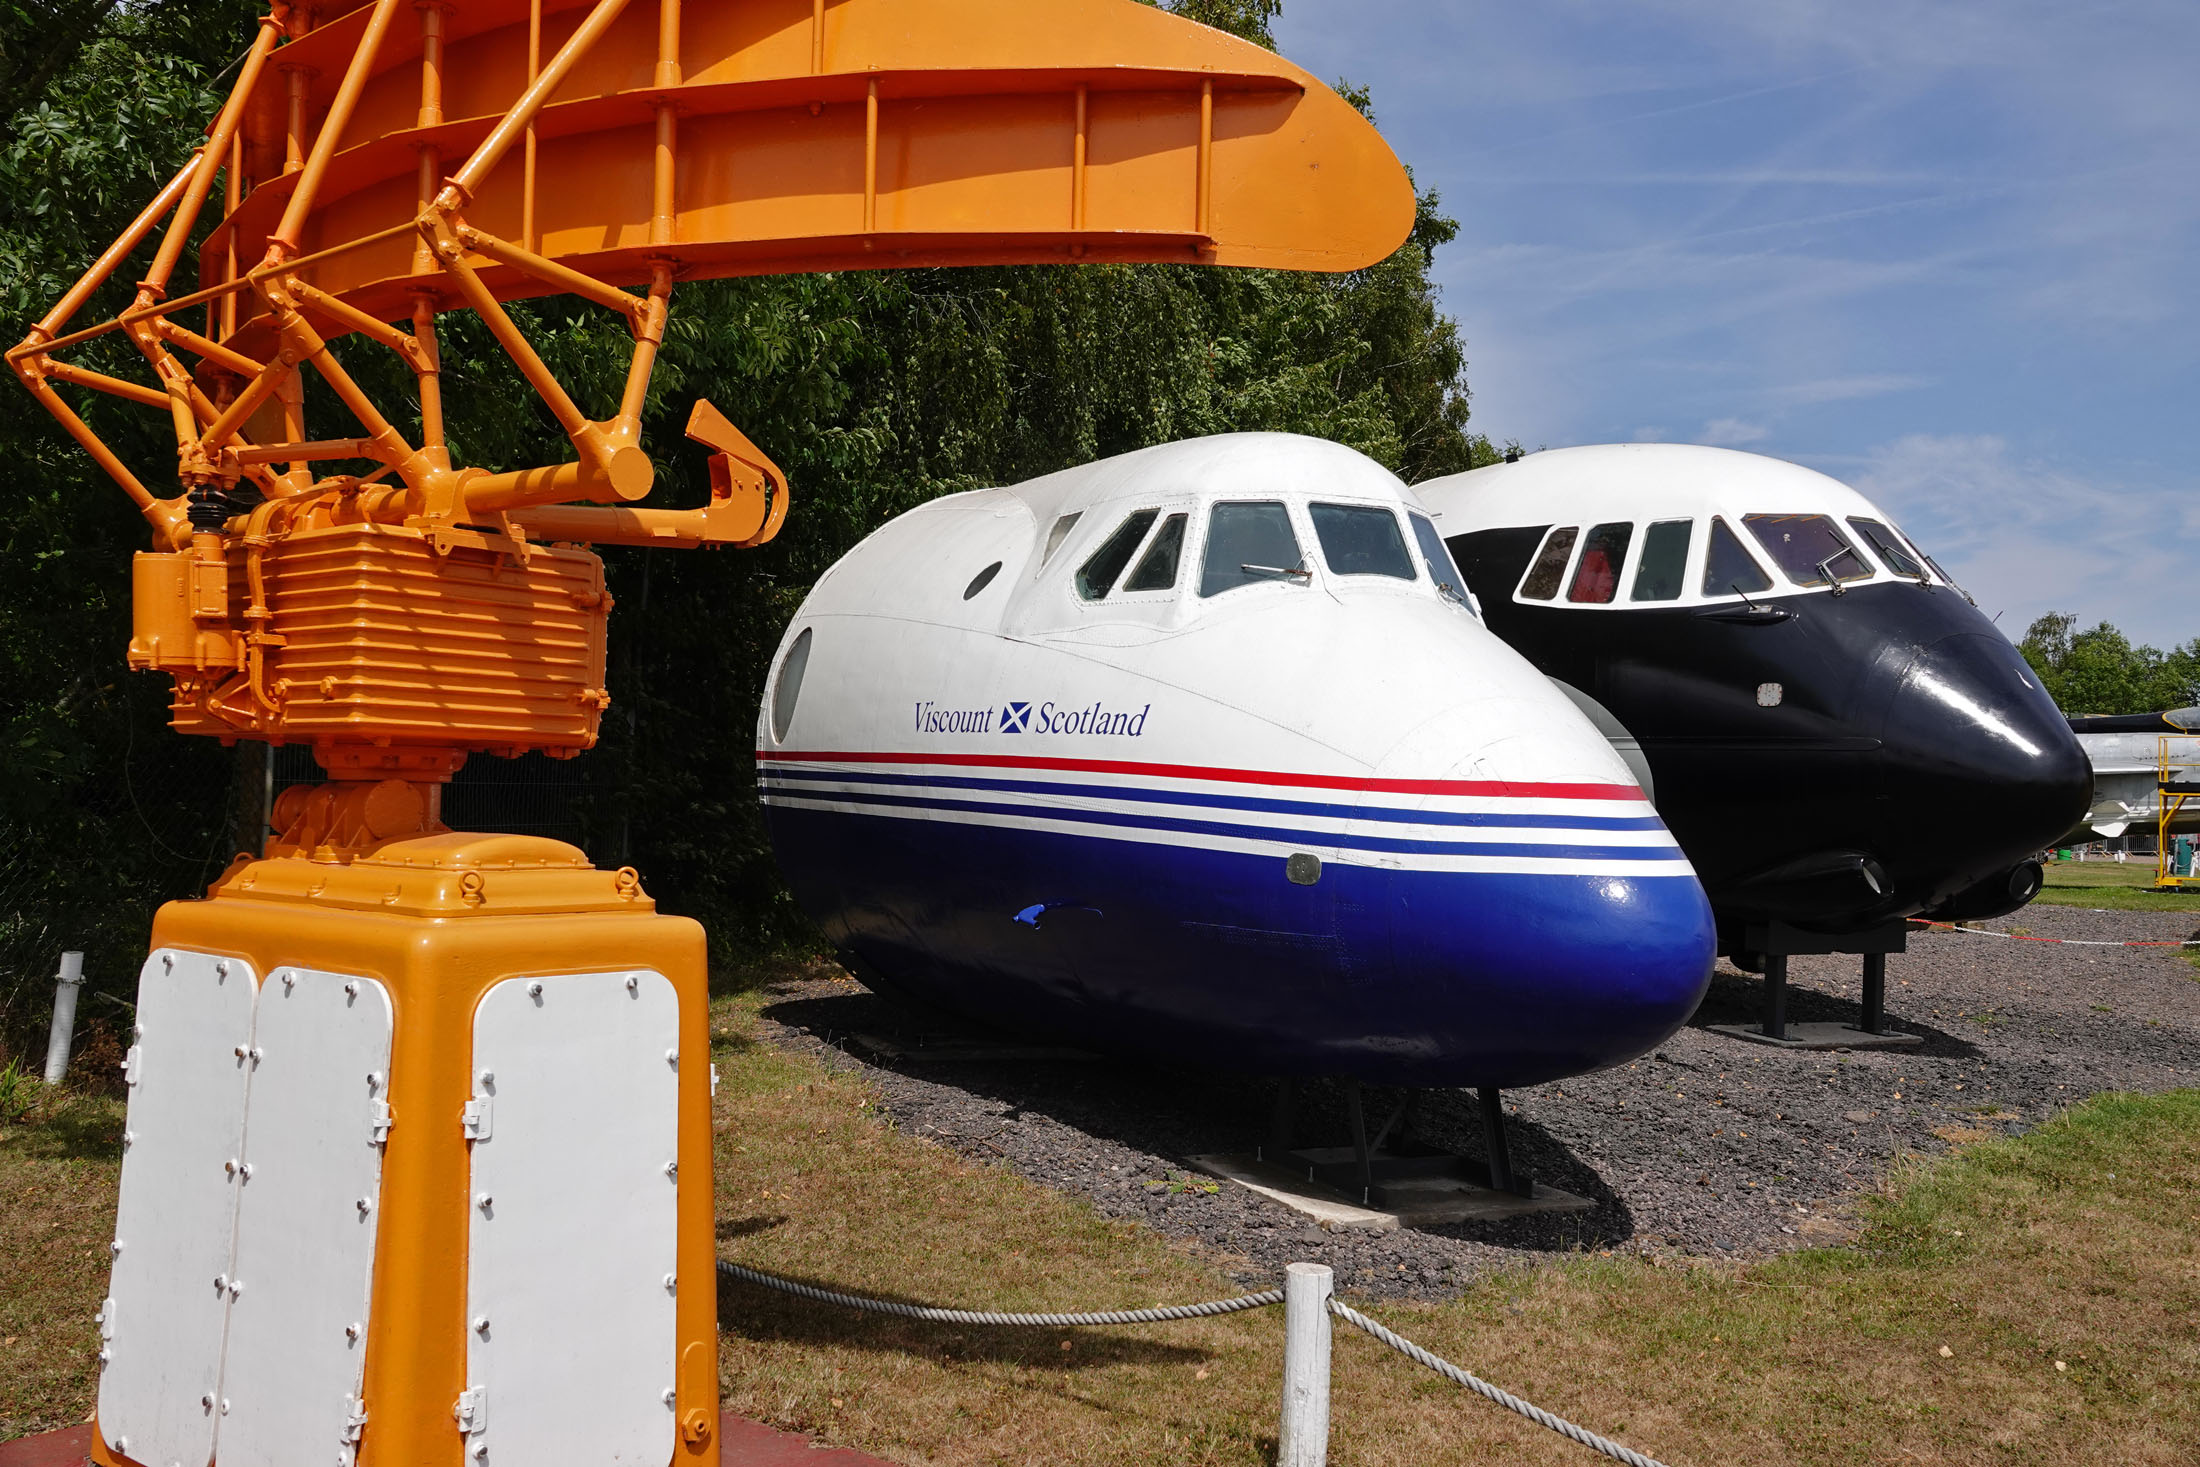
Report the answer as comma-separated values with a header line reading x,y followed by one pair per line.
x,y
572,1239
168,1296
307,1210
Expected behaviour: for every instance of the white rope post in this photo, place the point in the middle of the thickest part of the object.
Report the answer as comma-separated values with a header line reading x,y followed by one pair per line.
x,y
1302,1436
63,1032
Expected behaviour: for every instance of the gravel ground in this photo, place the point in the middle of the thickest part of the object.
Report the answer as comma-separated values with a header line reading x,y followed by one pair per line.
x,y
1712,1147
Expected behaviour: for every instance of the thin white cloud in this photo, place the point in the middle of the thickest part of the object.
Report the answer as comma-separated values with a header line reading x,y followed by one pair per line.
x,y
1733,433
2028,536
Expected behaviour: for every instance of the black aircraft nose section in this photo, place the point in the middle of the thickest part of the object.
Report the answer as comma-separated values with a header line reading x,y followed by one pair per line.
x,y
1974,748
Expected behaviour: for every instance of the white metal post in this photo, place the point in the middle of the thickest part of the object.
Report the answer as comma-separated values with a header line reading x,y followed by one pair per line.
x,y
1302,1436
63,1032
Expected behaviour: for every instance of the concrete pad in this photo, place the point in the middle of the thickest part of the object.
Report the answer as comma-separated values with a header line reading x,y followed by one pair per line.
x,y
1819,1036
965,1049
1414,1202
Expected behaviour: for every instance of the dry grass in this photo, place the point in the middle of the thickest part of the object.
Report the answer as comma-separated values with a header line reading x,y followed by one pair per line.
x,y
2011,1255
58,1166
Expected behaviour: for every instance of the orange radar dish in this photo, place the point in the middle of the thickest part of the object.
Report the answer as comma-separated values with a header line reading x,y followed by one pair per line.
x,y
823,136
413,157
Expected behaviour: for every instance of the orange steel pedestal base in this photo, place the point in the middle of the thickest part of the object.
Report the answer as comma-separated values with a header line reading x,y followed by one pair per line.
x,y
439,919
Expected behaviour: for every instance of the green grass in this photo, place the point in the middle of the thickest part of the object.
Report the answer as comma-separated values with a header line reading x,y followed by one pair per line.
x,y
1932,1336
2107,886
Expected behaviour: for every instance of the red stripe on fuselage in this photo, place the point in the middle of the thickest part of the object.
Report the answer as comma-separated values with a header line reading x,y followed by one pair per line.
x,y
1484,787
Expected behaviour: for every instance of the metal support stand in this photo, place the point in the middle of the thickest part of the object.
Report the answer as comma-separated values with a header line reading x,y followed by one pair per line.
x,y
63,1033
1283,1121
1493,1138
1776,996
1875,994
1360,1148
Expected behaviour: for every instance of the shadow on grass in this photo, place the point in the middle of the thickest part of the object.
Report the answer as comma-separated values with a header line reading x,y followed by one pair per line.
x,y
1733,999
1176,1114
70,1128
765,1315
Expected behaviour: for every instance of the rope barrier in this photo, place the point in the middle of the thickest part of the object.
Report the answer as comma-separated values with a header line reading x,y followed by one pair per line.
x,y
2057,941
937,1315
1489,1392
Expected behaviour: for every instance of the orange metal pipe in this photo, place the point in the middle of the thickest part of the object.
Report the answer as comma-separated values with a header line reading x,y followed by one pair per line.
x,y
550,272
295,81
221,316
508,129
214,155
117,252
284,242
428,372
870,158
649,335
663,176
213,351
77,376
527,162
1077,163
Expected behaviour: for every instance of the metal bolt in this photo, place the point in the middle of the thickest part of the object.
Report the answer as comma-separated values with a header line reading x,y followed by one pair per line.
x,y
225,1405
488,1078
634,983
534,990
672,1057
221,1282
672,1169
258,1054
353,1331
221,970
669,1396
365,1206
104,1357
481,1451
481,1325
168,962
374,1079
128,1137
351,990
238,1051
114,1249
290,980
672,1281
485,1202
207,1400
236,1287
245,1171
230,1166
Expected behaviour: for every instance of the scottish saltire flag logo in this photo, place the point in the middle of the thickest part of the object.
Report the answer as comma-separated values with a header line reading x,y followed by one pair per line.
x,y
1015,717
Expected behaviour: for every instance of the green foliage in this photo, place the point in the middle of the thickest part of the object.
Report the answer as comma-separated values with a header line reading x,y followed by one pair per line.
x,y
876,391
2102,671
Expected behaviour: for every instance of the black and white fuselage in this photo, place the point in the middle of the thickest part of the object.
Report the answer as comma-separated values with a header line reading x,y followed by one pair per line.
x,y
1837,736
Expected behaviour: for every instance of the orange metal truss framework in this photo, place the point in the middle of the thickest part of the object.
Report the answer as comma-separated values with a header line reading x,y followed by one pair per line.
x,y
381,165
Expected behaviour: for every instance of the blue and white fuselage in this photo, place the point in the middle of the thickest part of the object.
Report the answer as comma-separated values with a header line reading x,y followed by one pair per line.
x,y
1201,754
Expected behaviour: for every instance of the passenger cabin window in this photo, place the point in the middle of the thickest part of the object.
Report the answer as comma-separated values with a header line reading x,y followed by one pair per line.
x,y
1550,564
1596,579
1807,548
1096,577
1361,540
1728,568
1157,567
1664,561
1441,568
1249,542
1892,551
1060,532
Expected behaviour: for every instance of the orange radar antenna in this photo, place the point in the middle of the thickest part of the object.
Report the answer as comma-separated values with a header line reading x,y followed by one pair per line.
x,y
412,157
368,1208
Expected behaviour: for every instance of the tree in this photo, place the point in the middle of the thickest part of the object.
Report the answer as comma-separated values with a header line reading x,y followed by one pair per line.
x,y
2101,671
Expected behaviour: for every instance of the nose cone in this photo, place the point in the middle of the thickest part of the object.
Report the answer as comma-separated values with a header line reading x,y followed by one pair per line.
x,y
1543,977
1976,750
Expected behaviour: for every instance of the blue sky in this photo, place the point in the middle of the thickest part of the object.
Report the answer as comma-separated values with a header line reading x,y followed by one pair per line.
x,y
1944,252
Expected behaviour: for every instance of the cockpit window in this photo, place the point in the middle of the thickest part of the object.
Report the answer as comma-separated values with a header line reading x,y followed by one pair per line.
x,y
1596,578
1361,540
1808,548
1096,577
1890,547
1060,532
1249,542
1550,564
1728,568
1664,561
1442,569
1157,567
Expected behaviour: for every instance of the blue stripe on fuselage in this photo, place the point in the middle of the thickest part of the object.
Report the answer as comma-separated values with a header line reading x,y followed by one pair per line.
x,y
1214,957
1328,839
1389,813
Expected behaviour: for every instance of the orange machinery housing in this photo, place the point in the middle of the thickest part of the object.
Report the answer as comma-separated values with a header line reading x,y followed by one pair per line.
x,y
276,1295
